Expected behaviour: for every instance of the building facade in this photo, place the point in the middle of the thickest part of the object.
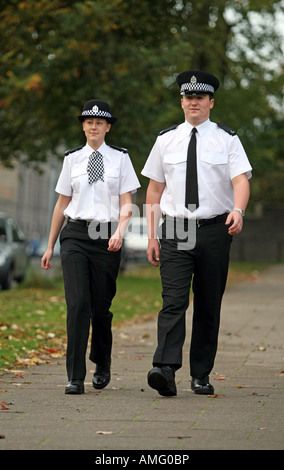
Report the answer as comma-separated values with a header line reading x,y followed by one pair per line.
x,y
29,196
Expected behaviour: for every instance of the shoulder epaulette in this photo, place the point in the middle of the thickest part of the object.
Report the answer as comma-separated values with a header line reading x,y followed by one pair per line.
x,y
226,129
169,129
119,148
73,150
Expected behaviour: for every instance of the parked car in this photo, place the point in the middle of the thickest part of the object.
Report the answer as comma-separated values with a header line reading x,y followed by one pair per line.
x,y
14,254
43,246
135,241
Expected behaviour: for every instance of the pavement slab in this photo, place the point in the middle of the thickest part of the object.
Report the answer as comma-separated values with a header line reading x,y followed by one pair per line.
x,y
245,414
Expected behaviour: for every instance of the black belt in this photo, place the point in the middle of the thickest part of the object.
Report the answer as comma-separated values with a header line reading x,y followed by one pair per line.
x,y
85,223
200,222
105,228
214,220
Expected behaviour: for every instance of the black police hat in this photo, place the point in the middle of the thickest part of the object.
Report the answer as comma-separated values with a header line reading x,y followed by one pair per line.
x,y
97,109
196,82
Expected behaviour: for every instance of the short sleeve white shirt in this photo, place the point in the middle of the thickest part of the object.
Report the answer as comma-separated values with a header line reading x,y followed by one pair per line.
x,y
100,200
220,158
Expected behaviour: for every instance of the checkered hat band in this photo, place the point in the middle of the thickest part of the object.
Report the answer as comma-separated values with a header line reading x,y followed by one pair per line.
x,y
90,112
197,87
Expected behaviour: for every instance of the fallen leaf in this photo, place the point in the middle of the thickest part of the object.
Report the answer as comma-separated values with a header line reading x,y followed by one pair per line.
x,y
3,406
40,312
50,335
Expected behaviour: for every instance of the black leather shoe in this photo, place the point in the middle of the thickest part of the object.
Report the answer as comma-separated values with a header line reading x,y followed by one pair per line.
x,y
75,387
162,379
101,376
202,386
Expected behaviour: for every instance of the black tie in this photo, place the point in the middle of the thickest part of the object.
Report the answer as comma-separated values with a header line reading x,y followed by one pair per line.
x,y
191,188
95,168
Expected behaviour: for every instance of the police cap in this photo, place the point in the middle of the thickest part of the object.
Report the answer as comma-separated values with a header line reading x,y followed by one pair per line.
x,y
196,82
97,109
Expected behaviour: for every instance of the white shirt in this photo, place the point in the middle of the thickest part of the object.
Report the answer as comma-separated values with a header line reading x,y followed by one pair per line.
x,y
100,200
220,157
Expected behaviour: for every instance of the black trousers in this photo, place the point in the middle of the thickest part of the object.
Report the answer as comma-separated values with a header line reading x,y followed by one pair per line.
x,y
207,264
90,273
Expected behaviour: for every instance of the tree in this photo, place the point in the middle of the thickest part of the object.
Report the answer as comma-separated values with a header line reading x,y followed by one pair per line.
x,y
57,54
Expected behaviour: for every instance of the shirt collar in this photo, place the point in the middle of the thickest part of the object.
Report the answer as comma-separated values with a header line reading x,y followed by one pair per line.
x,y
201,129
103,149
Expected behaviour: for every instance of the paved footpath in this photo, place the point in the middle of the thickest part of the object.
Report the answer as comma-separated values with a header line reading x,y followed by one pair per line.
x,y
246,412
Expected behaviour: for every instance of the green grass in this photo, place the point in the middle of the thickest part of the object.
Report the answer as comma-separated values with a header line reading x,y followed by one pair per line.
x,y
33,315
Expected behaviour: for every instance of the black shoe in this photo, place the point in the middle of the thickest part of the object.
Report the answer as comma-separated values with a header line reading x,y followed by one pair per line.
x,y
202,386
162,379
75,387
101,376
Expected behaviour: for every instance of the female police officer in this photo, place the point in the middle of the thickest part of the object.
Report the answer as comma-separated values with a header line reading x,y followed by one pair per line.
x,y
94,187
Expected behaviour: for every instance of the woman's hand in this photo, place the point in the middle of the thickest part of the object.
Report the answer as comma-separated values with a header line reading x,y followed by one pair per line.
x,y
45,260
115,242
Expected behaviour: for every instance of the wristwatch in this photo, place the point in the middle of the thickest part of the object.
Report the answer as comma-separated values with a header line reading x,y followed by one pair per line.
x,y
240,211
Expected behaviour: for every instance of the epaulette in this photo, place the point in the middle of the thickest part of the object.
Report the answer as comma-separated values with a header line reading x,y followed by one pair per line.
x,y
226,129
169,129
119,148
73,150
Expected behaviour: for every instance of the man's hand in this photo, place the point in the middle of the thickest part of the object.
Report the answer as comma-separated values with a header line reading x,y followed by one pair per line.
x,y
153,251
235,222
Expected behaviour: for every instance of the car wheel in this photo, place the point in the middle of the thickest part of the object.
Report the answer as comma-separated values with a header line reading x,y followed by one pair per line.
x,y
7,282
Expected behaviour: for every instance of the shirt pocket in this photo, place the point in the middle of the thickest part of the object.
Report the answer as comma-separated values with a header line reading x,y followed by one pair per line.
x,y
112,180
78,177
215,166
175,165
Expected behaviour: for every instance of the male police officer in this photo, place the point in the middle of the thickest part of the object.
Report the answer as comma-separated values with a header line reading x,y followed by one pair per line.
x,y
198,175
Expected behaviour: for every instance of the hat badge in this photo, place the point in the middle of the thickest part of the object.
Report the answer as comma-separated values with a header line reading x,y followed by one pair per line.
x,y
193,79
95,109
